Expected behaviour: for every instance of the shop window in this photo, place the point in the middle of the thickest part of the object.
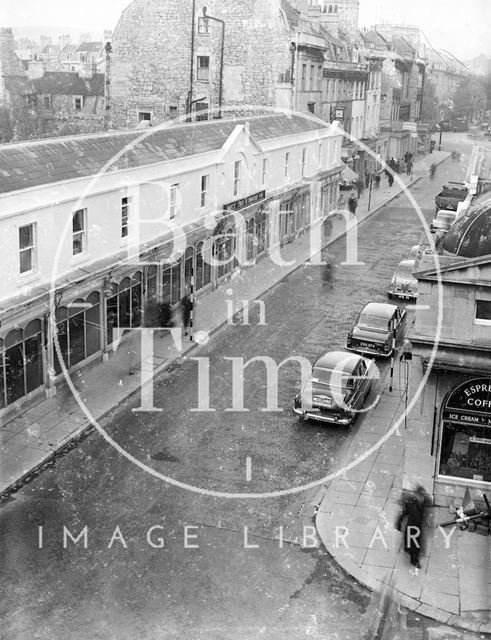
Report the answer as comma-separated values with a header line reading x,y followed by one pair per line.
x,y
225,253
203,69
78,331
205,182
21,363
125,210
251,238
203,267
124,309
171,283
79,224
188,267
483,312
261,230
26,248
151,281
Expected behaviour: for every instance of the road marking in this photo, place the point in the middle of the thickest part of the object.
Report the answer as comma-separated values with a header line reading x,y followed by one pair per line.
x,y
248,469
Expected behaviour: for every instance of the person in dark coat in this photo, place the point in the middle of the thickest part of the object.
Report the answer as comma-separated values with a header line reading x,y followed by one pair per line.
x,y
408,157
410,522
376,179
359,187
186,308
165,314
390,177
352,204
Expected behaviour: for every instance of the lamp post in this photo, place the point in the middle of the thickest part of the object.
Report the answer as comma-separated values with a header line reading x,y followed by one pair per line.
x,y
220,86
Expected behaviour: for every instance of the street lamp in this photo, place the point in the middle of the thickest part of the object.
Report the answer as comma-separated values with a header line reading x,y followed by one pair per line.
x,y
220,86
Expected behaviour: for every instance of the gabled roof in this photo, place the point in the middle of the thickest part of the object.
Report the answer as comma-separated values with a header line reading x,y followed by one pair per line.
x,y
402,47
69,83
375,39
34,163
69,48
89,46
292,14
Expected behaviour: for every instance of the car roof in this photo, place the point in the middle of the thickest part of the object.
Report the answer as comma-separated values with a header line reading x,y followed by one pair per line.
x,y
380,309
332,359
445,212
408,262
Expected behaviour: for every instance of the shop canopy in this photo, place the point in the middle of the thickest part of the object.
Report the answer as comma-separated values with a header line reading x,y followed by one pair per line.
x,y
348,174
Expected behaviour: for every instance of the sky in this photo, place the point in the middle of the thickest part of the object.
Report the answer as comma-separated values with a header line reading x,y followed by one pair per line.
x,y
458,26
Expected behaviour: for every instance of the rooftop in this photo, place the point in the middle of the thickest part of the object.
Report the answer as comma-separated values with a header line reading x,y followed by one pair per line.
x,y
29,164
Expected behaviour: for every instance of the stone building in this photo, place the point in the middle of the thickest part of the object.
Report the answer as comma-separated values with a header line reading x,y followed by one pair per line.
x,y
215,197
168,57
42,102
448,437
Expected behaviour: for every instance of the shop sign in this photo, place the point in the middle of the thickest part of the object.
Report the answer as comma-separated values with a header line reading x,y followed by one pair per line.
x,y
470,402
409,126
245,202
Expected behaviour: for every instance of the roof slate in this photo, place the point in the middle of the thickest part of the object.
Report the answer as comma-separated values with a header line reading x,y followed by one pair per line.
x,y
35,163
69,83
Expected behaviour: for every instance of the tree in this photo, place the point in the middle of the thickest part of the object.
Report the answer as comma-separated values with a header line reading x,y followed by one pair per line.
x,y
469,100
6,125
429,112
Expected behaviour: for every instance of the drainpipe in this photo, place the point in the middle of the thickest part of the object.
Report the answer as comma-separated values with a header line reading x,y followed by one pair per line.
x,y
107,88
222,47
189,101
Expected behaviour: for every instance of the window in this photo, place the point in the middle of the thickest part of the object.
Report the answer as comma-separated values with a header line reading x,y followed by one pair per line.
x,y
172,112
47,102
311,107
203,68
124,309
78,104
125,210
264,171
26,248
21,362
319,78
144,115
483,311
304,160
237,172
203,25
174,201
287,162
205,181
201,110
31,100
304,76
79,231
311,78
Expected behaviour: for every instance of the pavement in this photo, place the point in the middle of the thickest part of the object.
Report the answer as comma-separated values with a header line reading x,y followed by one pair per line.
x,y
449,587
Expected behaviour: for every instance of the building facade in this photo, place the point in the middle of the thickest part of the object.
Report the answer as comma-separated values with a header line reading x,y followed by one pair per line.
x,y
449,428
106,222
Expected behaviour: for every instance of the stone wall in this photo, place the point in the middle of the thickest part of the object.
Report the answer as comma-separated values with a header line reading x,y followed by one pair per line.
x,y
150,66
10,63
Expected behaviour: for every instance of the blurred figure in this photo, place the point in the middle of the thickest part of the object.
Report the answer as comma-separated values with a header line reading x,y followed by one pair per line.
x,y
410,522
186,308
376,180
390,177
432,170
327,268
352,204
164,315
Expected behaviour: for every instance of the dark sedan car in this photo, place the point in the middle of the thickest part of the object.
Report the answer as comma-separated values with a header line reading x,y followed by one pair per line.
x,y
337,390
379,325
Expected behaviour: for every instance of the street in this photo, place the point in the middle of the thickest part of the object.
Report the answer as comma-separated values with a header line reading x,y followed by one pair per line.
x,y
251,570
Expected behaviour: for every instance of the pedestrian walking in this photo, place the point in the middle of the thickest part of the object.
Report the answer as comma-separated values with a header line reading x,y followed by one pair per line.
x,y
390,177
376,179
151,313
359,187
327,268
352,204
410,522
432,170
408,157
164,315
409,166
186,309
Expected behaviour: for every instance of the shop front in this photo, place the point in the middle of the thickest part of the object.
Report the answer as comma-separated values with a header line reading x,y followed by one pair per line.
x,y
465,434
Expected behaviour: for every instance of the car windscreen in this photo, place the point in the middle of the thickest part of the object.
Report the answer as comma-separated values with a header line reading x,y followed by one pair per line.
x,y
373,322
405,271
445,217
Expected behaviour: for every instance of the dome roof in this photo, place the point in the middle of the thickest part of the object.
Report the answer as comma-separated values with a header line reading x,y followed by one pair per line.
x,y
470,236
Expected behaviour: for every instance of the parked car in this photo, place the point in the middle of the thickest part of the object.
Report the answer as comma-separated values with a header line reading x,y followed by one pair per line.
x,y
375,329
443,221
450,196
403,284
339,385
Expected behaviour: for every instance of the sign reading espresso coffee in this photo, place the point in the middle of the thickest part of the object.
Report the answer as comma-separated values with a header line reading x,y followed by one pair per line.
x,y
470,402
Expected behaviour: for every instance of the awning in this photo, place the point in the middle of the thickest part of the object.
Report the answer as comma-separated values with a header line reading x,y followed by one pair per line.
x,y
348,174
